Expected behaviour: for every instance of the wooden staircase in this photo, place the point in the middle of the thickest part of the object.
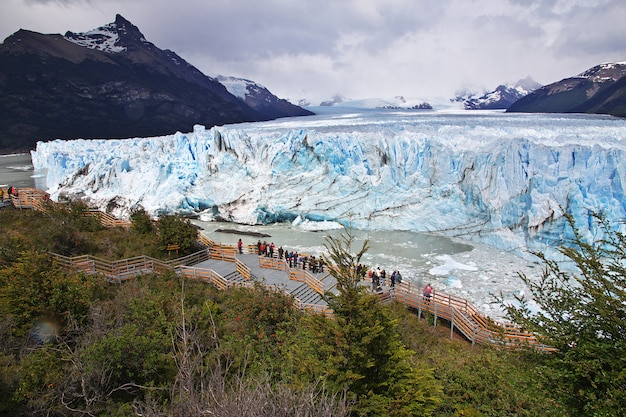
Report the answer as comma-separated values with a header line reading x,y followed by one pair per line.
x,y
466,319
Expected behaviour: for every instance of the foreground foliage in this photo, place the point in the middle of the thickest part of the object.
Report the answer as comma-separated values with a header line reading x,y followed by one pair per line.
x,y
583,314
161,346
365,356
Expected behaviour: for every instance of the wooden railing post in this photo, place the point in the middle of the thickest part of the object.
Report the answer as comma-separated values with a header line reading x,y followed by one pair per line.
x,y
419,307
452,325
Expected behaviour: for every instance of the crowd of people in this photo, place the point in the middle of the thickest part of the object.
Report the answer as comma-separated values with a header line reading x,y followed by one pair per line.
x,y
378,275
293,258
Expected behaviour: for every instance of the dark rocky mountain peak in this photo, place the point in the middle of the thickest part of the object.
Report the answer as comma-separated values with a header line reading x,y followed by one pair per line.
x,y
607,72
260,98
600,89
111,82
114,37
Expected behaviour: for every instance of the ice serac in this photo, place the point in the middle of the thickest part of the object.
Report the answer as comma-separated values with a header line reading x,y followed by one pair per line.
x,y
505,180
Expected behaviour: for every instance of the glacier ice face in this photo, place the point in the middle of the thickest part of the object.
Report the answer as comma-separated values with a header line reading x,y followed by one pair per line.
x,y
502,179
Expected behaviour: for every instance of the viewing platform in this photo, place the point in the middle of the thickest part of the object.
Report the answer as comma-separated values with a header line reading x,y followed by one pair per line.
x,y
223,266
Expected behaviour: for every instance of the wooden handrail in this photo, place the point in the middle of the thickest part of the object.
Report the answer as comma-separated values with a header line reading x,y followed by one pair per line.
x,y
315,308
271,263
243,269
462,315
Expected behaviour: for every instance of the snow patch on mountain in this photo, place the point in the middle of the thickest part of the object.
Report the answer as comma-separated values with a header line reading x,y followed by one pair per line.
x,y
610,71
101,39
390,103
105,39
334,100
239,87
501,98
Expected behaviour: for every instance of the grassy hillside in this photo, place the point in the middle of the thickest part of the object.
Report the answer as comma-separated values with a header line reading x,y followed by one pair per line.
x,y
73,344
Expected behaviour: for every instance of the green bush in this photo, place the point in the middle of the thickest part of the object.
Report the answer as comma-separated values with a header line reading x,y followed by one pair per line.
x,y
33,291
141,222
582,313
175,230
162,345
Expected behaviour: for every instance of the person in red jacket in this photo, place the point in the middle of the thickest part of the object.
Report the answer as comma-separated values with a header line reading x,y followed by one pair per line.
x,y
428,292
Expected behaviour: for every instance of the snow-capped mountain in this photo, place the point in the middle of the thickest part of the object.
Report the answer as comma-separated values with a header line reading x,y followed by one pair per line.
x,y
105,38
599,90
501,98
260,98
110,82
502,179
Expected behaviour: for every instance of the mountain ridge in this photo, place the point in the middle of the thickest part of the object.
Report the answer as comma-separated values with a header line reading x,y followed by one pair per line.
x,y
108,83
500,98
255,95
599,90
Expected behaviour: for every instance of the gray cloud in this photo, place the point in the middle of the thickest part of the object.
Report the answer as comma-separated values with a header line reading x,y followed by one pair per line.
x,y
594,31
360,48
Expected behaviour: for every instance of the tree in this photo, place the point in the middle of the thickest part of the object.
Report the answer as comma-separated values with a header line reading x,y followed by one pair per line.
x,y
141,222
174,230
582,312
363,350
33,292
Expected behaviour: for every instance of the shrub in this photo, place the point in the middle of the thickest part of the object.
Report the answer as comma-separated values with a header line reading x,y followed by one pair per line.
x,y
582,312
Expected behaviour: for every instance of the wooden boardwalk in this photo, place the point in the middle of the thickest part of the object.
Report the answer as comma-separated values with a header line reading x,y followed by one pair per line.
x,y
222,266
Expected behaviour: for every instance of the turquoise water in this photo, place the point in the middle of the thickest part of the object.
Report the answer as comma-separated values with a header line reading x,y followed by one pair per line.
x,y
391,249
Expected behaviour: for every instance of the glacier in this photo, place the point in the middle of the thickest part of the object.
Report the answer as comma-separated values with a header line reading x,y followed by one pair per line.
x,y
505,180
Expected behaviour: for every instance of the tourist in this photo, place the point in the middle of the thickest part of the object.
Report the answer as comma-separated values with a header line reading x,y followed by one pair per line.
x,y
240,246
428,292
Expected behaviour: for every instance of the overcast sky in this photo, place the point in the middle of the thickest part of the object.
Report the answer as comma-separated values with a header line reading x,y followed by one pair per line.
x,y
359,48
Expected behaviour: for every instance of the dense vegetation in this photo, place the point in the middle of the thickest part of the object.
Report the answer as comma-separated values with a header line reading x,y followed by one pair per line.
x,y
158,345
583,314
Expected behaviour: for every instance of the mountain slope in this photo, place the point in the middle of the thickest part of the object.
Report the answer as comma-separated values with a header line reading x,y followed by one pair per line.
x,y
601,89
107,83
260,99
